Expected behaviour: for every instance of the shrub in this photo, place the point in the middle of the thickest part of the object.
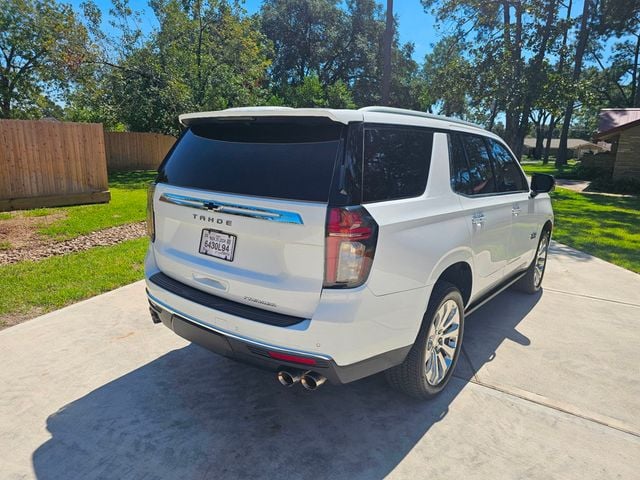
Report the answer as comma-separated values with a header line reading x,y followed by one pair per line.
x,y
627,186
583,172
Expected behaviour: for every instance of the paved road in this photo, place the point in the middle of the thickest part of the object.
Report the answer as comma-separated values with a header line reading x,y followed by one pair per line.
x,y
549,387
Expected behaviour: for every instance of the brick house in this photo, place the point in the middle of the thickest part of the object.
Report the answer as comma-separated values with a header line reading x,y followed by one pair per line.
x,y
621,128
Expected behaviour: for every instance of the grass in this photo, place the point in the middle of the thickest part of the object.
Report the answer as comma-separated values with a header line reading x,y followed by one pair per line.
x,y
127,205
4,245
58,281
531,167
5,216
33,288
38,212
606,227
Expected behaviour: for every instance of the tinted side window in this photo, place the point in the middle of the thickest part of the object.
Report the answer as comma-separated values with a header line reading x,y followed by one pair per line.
x,y
480,169
509,178
460,178
396,162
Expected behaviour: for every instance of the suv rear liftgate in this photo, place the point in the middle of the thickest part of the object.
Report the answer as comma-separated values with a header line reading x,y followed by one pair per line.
x,y
254,217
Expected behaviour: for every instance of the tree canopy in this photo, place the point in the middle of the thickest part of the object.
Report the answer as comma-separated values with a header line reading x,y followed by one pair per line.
x,y
43,49
518,67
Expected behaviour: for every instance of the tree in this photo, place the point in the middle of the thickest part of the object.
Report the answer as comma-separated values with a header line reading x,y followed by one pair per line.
x,y
205,55
447,82
581,46
507,43
307,38
311,93
621,19
43,49
340,45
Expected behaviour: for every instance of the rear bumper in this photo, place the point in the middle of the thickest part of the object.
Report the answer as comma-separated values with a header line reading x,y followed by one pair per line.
x,y
257,353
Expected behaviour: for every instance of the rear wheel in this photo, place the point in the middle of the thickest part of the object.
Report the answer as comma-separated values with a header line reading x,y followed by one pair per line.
x,y
432,359
532,280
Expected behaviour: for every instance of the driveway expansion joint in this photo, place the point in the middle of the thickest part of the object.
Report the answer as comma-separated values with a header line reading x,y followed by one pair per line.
x,y
562,407
592,297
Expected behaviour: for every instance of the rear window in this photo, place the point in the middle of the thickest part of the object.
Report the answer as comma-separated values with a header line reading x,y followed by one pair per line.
x,y
277,159
396,162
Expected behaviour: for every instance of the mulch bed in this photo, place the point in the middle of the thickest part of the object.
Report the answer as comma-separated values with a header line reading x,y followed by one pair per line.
x,y
39,248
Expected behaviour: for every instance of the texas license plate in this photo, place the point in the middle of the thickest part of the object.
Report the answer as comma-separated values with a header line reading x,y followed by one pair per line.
x,y
218,244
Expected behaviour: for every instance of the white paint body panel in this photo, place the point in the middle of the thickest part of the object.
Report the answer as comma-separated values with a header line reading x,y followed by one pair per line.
x,y
278,263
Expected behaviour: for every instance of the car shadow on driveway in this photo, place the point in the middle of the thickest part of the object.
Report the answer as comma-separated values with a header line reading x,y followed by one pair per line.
x,y
192,414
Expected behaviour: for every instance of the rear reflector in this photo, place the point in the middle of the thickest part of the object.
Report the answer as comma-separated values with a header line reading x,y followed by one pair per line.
x,y
292,358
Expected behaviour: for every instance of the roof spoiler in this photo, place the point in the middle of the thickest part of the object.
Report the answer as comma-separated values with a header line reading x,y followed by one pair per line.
x,y
248,113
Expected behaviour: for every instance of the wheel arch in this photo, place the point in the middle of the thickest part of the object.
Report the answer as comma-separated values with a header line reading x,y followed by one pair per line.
x,y
460,275
456,268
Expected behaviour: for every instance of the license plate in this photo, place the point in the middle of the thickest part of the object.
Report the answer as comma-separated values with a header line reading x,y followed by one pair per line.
x,y
218,244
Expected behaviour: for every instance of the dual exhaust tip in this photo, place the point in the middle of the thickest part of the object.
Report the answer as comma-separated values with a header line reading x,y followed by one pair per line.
x,y
309,380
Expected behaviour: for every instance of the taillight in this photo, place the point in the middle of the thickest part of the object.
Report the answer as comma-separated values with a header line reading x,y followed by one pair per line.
x,y
350,245
151,220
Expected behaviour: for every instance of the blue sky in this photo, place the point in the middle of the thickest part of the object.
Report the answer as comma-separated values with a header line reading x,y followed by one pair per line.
x,y
414,24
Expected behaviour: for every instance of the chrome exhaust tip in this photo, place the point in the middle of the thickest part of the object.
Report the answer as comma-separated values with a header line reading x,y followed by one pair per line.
x,y
311,380
288,379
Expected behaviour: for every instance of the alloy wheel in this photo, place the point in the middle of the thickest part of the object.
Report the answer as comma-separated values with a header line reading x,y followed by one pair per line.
x,y
442,342
541,260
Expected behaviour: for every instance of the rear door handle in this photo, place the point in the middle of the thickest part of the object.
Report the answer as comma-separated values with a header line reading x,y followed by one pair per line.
x,y
477,219
515,210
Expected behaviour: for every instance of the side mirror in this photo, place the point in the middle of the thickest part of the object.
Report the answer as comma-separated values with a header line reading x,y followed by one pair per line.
x,y
542,183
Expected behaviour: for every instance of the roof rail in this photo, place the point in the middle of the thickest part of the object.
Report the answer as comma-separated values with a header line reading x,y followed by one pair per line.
x,y
415,113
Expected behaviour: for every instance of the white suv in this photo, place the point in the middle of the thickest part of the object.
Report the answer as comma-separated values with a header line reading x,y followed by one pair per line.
x,y
335,244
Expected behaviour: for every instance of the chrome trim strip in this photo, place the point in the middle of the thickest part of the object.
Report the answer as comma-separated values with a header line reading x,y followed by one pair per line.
x,y
220,331
273,215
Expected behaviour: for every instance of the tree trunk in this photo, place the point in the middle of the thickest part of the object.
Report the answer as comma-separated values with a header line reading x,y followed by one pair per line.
x,y
635,78
537,152
512,52
387,41
492,117
547,147
583,37
5,98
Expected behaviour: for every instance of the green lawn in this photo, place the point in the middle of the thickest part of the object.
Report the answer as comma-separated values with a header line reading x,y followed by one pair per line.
x,y
531,167
32,288
604,226
128,205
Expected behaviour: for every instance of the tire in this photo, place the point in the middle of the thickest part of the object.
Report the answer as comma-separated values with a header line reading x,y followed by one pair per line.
x,y
530,283
412,376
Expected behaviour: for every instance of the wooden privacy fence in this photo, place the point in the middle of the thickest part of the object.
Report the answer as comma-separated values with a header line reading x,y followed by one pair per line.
x,y
49,163
136,151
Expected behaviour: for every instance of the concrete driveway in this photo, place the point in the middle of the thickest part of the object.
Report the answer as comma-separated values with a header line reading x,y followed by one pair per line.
x,y
549,387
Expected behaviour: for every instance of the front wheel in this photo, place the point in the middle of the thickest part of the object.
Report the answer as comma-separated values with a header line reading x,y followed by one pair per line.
x,y
431,361
532,280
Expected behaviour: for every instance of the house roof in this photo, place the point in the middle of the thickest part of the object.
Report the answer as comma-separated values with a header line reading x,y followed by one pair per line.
x,y
572,143
610,118
607,134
